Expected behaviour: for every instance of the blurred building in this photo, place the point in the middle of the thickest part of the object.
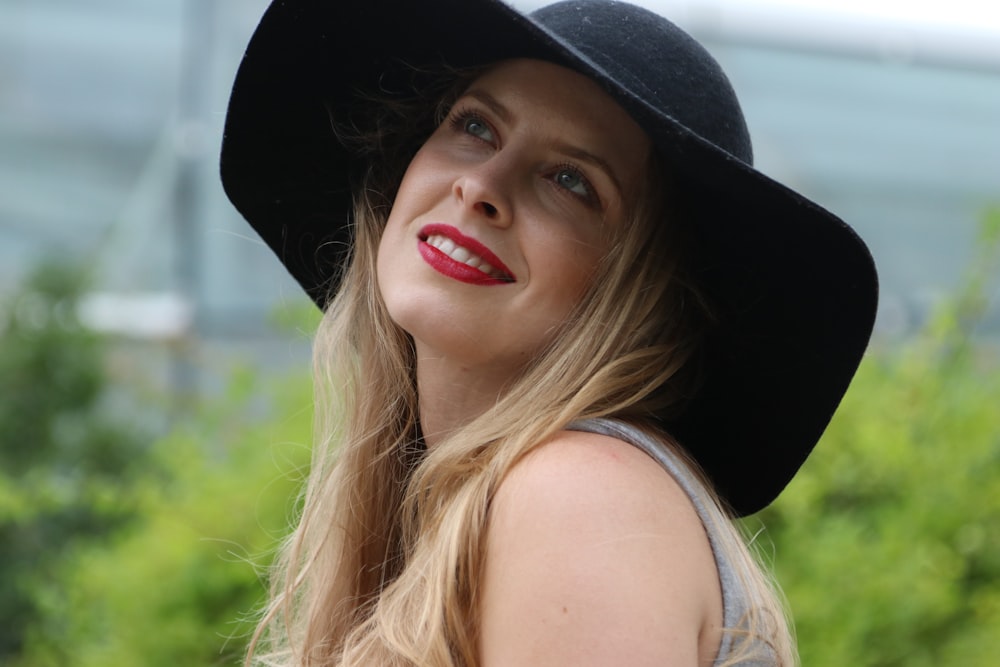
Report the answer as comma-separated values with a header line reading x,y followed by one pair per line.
x,y
111,114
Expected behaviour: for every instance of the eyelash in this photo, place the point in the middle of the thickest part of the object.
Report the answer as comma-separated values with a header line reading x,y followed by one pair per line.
x,y
461,116
458,120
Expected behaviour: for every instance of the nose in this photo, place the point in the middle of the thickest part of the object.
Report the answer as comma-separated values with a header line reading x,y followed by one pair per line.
x,y
485,191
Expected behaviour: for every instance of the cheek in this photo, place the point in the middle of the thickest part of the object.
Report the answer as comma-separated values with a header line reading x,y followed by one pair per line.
x,y
425,176
393,262
413,198
565,267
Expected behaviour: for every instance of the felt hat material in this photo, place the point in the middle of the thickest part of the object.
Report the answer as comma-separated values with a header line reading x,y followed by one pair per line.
x,y
794,287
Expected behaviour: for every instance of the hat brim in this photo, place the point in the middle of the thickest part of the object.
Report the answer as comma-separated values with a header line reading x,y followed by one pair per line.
x,y
795,288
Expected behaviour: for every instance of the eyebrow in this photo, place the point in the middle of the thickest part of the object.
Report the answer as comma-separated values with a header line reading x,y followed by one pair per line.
x,y
566,149
491,102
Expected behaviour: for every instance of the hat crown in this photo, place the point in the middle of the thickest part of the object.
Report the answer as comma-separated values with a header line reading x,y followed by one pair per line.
x,y
650,60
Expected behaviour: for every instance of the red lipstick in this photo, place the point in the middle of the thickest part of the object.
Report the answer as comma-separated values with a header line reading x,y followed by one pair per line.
x,y
441,262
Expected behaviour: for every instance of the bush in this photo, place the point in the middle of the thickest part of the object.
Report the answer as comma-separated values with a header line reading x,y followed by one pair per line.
x,y
67,461
180,587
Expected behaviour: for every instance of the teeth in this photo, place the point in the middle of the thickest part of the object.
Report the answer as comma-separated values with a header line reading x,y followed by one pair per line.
x,y
463,255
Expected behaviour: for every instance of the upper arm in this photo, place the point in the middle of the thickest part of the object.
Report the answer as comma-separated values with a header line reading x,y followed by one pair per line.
x,y
594,556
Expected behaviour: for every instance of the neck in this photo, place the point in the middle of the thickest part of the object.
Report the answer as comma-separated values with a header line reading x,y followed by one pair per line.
x,y
451,394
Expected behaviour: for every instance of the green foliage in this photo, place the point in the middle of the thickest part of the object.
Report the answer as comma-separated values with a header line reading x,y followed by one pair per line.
x,y
66,461
115,551
180,587
887,543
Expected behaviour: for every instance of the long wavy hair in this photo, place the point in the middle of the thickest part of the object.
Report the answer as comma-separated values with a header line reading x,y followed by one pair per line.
x,y
384,564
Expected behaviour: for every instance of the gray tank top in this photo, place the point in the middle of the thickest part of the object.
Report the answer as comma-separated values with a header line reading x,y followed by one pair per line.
x,y
734,597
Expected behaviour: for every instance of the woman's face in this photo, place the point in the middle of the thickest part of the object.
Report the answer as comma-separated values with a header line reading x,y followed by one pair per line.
x,y
504,214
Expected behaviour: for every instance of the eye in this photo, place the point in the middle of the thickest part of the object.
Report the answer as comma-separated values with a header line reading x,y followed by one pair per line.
x,y
571,179
473,124
478,128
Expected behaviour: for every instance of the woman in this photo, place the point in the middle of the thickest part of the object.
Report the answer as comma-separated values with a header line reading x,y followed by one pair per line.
x,y
569,334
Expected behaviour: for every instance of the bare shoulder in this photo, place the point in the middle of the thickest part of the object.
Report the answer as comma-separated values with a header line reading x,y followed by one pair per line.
x,y
595,556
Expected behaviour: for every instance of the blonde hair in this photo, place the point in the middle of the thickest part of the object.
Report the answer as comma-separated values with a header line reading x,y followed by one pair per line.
x,y
383,566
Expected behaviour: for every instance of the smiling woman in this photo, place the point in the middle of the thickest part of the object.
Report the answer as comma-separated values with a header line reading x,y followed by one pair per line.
x,y
490,185
569,334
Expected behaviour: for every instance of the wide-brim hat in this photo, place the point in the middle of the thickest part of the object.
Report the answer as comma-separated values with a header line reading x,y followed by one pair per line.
x,y
794,288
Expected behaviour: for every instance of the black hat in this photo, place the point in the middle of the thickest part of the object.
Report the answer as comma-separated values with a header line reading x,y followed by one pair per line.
x,y
794,287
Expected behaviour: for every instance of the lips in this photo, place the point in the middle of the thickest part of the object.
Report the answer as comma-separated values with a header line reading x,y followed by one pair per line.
x,y
457,256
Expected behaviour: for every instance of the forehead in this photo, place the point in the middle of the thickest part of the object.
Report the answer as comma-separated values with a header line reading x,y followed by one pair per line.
x,y
571,107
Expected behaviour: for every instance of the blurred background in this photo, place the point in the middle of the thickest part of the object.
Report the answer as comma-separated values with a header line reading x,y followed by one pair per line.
x,y
154,414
